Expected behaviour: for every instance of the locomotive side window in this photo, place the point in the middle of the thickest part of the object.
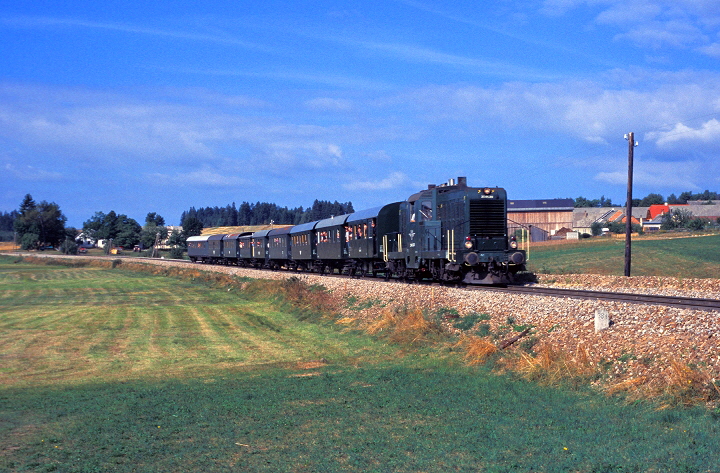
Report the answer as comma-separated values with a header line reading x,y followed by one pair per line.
x,y
426,210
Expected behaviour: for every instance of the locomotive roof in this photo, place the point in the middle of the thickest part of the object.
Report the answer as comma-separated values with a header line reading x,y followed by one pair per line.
x,y
332,221
461,184
364,214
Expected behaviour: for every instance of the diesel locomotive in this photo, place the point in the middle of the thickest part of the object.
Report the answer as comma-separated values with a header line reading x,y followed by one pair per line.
x,y
450,233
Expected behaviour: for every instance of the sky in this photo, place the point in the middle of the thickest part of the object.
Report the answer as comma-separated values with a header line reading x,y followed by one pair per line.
x,y
160,106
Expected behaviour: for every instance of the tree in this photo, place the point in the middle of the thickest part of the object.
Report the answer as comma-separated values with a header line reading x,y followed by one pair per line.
x,y
684,197
651,199
124,231
154,218
697,224
191,227
69,245
149,234
601,202
677,218
154,225
128,232
39,225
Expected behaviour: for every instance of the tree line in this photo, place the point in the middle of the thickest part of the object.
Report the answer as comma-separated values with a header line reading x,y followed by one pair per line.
x,y
7,220
42,225
651,199
264,213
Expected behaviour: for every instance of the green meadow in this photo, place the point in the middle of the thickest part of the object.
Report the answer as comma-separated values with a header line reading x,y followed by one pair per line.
x,y
690,257
104,369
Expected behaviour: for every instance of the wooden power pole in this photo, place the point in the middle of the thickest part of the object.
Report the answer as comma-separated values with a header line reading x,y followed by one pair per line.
x,y
628,205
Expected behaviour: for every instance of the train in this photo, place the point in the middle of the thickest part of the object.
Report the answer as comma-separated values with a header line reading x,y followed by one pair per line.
x,y
450,233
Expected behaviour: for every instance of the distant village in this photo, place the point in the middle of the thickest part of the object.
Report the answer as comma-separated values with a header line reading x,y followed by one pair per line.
x,y
559,219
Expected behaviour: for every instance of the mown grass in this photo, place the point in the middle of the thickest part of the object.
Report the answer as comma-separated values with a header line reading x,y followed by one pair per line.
x,y
71,324
694,257
152,373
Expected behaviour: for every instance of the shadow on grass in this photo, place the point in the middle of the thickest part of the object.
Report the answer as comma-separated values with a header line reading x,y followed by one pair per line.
x,y
413,415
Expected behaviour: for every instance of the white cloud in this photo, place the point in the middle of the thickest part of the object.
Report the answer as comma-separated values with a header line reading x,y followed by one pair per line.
x,y
712,50
393,181
707,133
661,176
329,104
32,173
650,23
202,178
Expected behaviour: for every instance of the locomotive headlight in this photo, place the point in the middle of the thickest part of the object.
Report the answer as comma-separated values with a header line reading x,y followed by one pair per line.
x,y
513,244
468,243
487,191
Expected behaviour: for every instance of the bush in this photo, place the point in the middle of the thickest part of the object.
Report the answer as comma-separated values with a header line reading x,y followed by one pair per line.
x,y
69,247
29,241
176,253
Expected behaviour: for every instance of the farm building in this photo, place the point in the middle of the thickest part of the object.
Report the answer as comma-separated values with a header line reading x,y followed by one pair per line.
x,y
584,217
543,217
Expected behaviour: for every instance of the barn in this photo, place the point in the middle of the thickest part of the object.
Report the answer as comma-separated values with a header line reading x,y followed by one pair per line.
x,y
542,217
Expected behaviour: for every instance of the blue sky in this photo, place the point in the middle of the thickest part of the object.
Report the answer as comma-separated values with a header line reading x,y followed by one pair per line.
x,y
157,107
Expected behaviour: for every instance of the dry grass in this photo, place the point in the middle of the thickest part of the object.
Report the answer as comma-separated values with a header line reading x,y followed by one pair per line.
x,y
549,365
477,349
408,326
552,366
682,384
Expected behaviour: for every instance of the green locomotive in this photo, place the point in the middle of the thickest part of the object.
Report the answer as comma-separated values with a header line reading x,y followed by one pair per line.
x,y
454,233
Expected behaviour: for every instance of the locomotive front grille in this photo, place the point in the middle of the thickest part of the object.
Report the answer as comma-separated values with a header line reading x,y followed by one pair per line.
x,y
487,218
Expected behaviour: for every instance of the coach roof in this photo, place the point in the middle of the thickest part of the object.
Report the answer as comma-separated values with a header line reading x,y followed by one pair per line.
x,y
332,222
303,227
364,214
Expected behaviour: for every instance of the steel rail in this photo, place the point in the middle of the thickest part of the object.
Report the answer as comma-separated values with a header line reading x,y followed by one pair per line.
x,y
694,303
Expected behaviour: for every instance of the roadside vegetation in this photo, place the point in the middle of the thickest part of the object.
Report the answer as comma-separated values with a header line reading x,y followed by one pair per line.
x,y
124,367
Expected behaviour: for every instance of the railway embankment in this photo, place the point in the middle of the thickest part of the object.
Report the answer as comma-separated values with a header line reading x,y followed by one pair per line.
x,y
647,347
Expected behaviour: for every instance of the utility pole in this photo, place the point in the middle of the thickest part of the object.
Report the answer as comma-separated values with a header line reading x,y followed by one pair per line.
x,y
628,209
155,253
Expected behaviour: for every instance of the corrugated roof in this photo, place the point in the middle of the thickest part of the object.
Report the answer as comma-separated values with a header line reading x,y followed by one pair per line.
x,y
516,205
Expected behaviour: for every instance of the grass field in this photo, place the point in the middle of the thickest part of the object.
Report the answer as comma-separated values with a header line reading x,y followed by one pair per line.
x,y
697,257
112,370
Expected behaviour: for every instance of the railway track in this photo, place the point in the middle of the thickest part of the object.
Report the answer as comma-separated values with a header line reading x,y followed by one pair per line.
x,y
694,303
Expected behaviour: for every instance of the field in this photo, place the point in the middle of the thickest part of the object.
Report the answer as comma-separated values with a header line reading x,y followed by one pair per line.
x,y
105,369
689,257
